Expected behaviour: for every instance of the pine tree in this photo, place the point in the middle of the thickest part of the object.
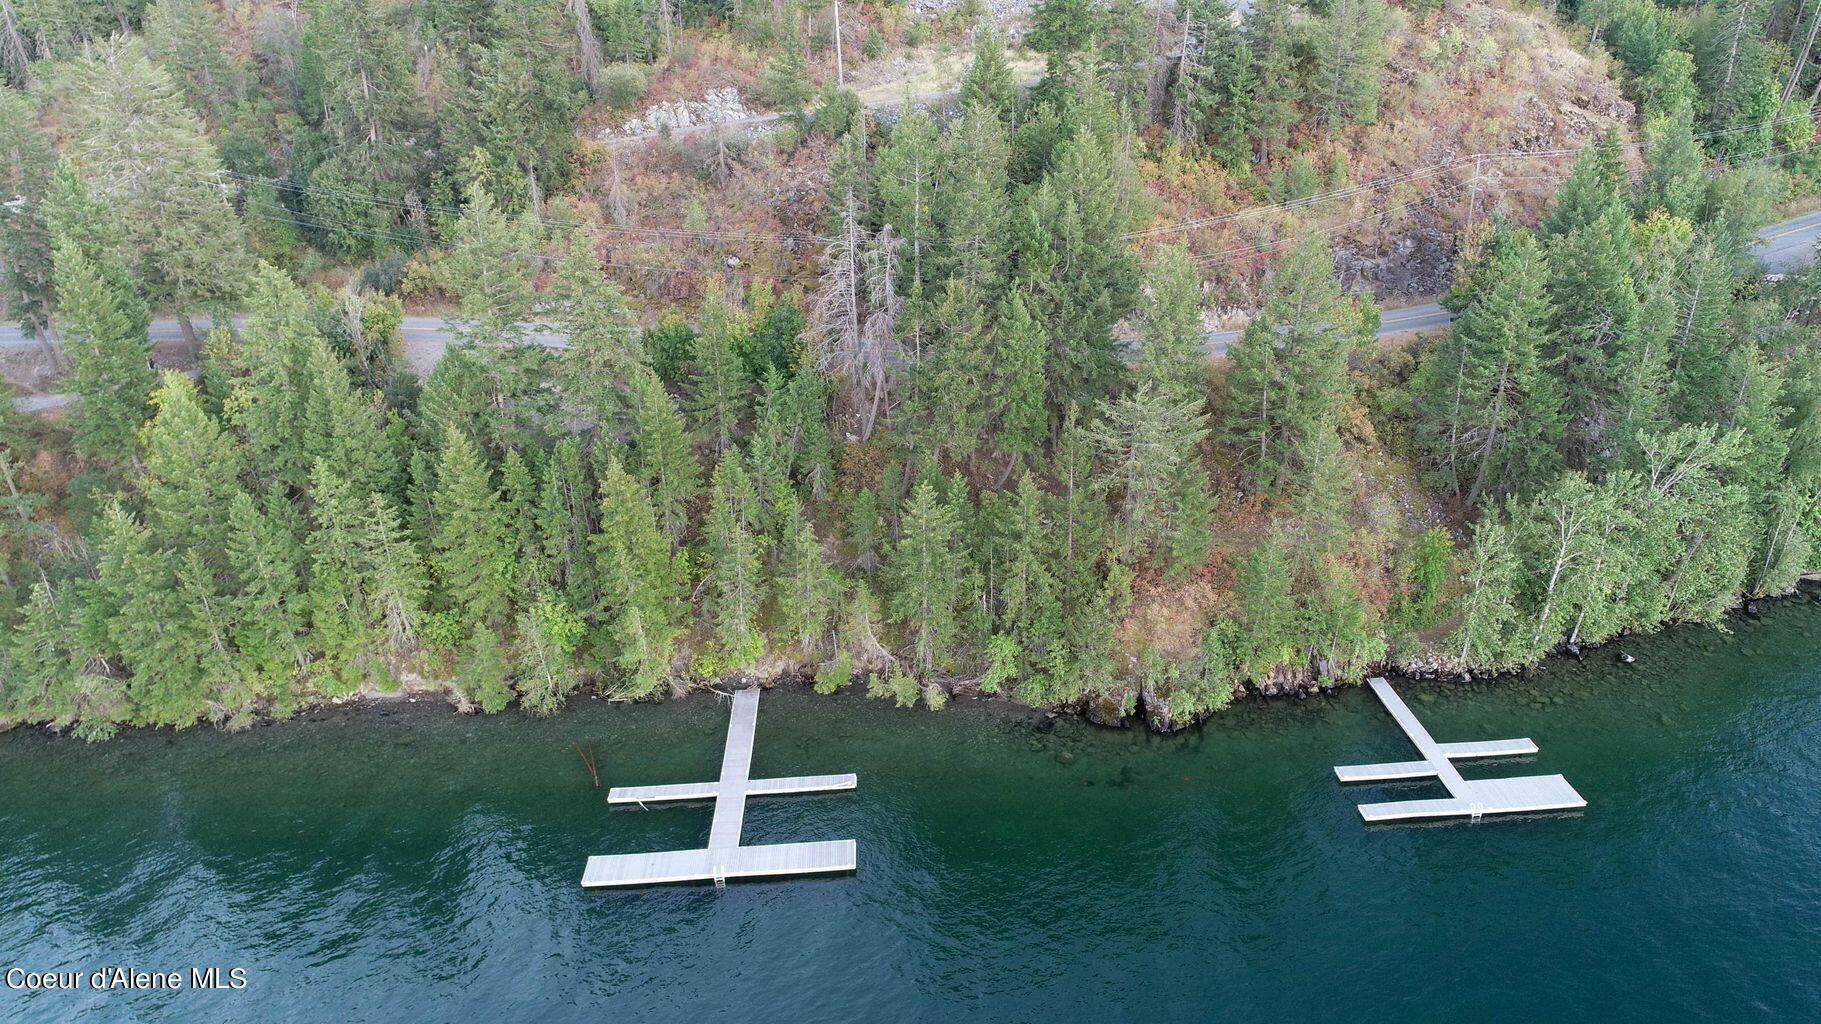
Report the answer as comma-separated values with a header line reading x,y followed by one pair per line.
x,y
1203,63
769,455
265,564
865,531
640,583
1289,367
973,206
1267,611
1490,414
734,570
949,400
188,38
1596,602
1695,519
1642,365
1347,63
1019,343
806,418
1597,183
273,401
489,269
481,673
355,76
150,623
473,554
1081,512
531,575
345,425
602,331
661,455
1701,344
395,586
1061,27
105,323
1173,345
786,82
1030,615
904,175
1554,532
1732,64
1243,109
192,470
1489,599
718,386
145,154
1270,41
1595,306
1673,176
507,100
804,586
1126,43
1080,277
1147,443
926,571
988,81
27,274
49,674
564,518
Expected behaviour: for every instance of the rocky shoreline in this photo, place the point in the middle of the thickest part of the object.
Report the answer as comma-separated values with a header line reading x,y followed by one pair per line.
x,y
1133,705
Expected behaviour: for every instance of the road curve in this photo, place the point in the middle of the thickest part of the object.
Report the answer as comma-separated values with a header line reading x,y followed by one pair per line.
x,y
1782,247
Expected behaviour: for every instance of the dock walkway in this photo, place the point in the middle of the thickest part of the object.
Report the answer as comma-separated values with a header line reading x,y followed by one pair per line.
x,y
1467,798
724,857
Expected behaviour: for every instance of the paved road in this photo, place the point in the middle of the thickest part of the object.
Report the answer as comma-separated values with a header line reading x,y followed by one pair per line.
x,y
1782,247
1789,245
1404,320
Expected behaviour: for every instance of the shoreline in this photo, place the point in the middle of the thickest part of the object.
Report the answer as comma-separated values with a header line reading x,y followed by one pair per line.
x,y
424,699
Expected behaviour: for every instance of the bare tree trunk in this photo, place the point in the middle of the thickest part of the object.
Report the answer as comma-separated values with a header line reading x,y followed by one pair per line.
x,y
189,335
588,48
51,346
13,56
616,193
534,191
1795,73
1179,114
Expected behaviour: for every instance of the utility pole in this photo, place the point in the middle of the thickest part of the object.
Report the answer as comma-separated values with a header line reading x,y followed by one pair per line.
x,y
840,71
1473,192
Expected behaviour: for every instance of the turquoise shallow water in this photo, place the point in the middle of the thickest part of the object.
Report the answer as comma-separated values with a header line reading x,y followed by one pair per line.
x,y
422,866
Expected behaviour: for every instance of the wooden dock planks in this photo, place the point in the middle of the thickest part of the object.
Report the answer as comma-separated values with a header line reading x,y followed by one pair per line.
x,y
1466,798
736,769
724,857
729,862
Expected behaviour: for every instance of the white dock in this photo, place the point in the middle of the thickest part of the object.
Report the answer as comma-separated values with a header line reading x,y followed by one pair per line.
x,y
1467,798
724,857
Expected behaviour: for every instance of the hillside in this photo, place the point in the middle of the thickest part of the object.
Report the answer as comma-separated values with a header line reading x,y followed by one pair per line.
x,y
752,369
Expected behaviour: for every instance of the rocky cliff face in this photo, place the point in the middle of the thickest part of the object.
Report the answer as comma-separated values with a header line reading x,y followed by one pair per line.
x,y
1472,79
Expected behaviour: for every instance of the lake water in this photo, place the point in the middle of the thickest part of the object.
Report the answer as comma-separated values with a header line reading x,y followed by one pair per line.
x,y
422,866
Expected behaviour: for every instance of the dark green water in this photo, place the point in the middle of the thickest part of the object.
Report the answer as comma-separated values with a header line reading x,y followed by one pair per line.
x,y
421,866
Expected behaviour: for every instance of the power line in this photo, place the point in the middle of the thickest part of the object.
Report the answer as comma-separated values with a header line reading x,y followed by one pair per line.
x,y
1428,170
547,259
1330,230
374,199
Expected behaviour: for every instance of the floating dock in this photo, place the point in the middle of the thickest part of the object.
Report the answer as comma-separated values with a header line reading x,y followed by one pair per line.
x,y
1466,799
724,857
